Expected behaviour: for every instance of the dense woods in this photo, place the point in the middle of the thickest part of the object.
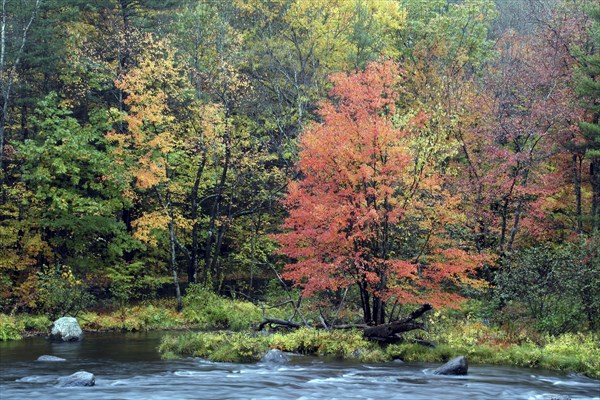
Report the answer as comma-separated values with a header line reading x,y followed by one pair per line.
x,y
363,153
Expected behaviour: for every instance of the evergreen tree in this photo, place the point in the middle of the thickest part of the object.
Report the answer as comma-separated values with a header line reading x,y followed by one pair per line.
x,y
588,88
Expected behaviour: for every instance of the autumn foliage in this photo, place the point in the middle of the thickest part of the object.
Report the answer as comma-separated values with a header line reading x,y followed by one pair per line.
x,y
148,144
357,188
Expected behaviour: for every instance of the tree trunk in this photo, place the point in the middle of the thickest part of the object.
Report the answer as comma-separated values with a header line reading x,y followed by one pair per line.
x,y
577,161
595,181
174,265
518,211
208,249
378,311
7,77
166,204
193,262
366,303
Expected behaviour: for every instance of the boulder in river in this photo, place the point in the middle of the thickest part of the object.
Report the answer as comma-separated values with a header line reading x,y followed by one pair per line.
x,y
47,358
66,329
456,366
81,378
275,356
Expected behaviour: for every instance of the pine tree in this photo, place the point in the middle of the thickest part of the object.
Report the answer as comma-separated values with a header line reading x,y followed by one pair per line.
x,y
588,88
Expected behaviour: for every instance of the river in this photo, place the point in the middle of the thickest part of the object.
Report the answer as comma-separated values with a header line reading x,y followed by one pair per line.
x,y
128,366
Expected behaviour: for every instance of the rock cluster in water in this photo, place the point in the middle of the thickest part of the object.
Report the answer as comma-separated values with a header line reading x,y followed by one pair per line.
x,y
275,356
456,366
66,329
47,358
81,378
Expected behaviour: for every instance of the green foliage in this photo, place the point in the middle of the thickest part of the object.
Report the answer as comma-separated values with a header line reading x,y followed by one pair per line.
x,y
341,344
587,86
569,352
77,184
204,307
218,107
60,293
462,27
35,323
10,328
555,287
133,281
134,318
573,352
246,347
485,344
312,341
215,346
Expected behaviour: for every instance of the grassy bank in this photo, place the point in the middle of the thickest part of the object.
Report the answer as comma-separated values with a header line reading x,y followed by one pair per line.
x,y
570,352
453,333
128,319
203,310
227,335
14,327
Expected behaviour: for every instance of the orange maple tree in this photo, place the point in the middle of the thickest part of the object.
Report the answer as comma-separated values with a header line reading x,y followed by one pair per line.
x,y
359,184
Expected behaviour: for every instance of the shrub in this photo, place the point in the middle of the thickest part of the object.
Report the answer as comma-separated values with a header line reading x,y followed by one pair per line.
x,y
133,281
555,287
135,318
10,328
215,346
35,323
336,343
60,293
211,311
574,352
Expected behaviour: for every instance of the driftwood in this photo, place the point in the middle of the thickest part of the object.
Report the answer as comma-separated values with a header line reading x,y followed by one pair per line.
x,y
384,333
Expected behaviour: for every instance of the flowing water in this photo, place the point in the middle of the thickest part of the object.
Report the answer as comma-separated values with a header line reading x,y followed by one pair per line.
x,y
127,366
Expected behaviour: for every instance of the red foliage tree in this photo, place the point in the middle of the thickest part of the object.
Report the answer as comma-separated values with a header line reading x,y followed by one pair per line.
x,y
524,115
359,183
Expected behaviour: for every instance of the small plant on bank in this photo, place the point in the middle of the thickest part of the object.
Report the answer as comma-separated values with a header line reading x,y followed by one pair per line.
x,y
215,346
13,327
60,293
336,343
10,328
142,317
36,323
210,311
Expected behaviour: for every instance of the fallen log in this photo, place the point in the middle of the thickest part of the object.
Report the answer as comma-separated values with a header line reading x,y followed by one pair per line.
x,y
390,331
278,323
384,333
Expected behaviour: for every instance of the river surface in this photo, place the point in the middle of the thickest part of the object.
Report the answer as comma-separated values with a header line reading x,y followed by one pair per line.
x,y
128,366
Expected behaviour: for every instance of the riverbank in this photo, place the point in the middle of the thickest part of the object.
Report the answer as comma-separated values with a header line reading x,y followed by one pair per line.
x,y
227,335
203,310
577,353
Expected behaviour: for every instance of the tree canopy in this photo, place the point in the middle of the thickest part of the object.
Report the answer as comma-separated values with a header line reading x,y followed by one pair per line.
x,y
376,152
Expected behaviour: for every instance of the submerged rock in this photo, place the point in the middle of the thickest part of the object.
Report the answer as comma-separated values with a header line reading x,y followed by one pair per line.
x,y
47,358
275,356
81,378
456,366
66,329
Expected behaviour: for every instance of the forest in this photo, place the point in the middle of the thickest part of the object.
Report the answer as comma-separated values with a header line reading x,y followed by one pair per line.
x,y
352,159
